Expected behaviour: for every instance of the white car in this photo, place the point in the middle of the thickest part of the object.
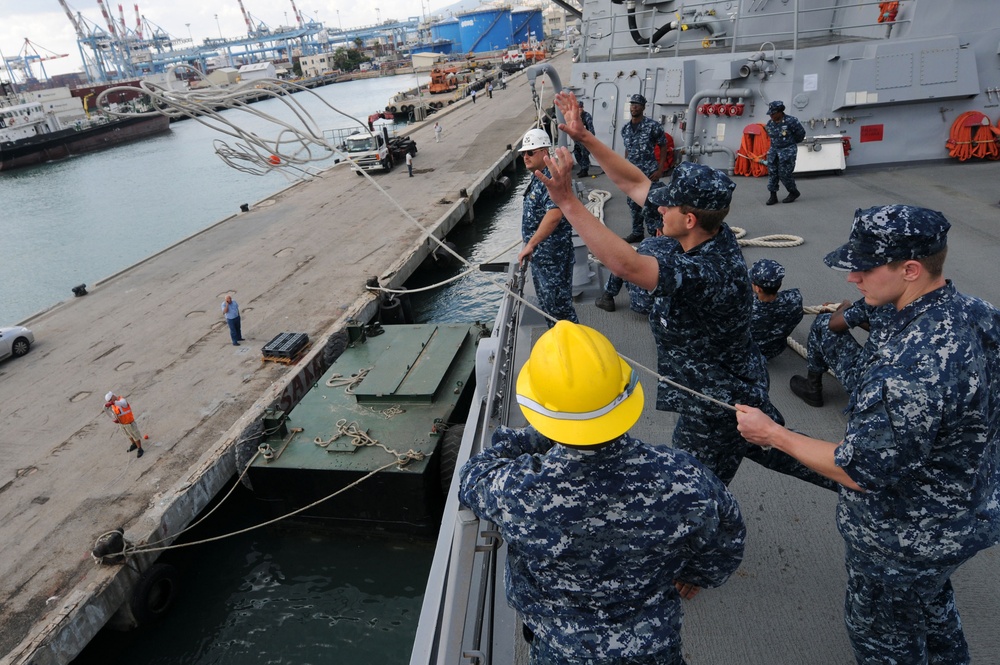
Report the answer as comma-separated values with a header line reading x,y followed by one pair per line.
x,y
15,341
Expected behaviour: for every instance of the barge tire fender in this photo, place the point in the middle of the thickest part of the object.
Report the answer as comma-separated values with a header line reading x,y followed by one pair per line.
x,y
154,593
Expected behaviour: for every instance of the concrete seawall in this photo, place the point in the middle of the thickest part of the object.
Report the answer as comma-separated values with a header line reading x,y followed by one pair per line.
x,y
296,262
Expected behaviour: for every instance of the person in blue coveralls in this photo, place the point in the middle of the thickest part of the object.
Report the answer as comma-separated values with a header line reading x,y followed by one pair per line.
x,y
547,236
785,132
918,462
776,312
641,136
605,533
702,300
231,310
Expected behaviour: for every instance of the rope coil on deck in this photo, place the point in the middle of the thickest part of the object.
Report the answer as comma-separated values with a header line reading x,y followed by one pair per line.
x,y
359,438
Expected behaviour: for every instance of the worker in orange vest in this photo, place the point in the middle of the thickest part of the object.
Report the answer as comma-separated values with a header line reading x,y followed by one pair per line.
x,y
120,411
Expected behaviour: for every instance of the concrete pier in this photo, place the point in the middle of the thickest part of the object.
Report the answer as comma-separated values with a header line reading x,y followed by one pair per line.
x,y
295,262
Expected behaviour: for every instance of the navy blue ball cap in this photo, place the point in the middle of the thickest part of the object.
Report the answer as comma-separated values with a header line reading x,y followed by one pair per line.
x,y
767,273
637,99
884,234
775,106
695,185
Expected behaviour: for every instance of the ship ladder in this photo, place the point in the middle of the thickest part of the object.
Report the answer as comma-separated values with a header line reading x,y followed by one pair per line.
x,y
972,135
751,160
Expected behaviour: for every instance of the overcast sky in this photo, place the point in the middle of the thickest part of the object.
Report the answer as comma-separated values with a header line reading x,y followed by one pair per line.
x,y
45,23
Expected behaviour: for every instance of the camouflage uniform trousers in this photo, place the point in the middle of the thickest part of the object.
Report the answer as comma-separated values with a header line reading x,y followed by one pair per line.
x,y
644,217
640,299
838,352
553,280
906,618
780,164
710,434
582,156
540,654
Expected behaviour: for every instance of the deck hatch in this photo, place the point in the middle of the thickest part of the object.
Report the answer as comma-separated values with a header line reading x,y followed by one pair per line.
x,y
412,366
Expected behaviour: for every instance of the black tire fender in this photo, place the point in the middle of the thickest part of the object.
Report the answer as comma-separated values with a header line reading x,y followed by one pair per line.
x,y
154,593
451,441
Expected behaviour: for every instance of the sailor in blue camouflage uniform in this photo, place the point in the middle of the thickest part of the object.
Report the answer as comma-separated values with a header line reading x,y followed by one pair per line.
x,y
605,533
640,300
581,154
547,236
775,312
785,132
831,347
918,463
640,136
702,299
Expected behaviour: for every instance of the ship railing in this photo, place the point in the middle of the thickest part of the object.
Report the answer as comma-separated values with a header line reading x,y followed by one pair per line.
x,y
713,30
461,610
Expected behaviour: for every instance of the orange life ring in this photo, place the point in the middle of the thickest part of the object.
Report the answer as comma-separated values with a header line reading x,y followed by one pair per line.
x,y
887,11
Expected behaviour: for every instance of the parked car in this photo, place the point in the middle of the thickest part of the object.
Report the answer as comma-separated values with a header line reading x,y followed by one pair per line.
x,y
15,341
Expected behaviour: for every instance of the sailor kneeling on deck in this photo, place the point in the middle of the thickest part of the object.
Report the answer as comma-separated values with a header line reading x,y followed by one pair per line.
x,y
605,534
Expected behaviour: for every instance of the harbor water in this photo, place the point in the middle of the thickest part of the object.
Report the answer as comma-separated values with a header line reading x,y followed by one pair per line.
x,y
81,219
287,593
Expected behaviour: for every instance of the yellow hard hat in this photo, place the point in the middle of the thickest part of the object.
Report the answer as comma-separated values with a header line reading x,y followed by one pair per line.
x,y
574,388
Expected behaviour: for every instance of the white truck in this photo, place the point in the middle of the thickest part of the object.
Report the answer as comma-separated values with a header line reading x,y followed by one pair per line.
x,y
376,150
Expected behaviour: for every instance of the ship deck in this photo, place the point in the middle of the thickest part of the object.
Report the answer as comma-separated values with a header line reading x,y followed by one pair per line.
x,y
785,603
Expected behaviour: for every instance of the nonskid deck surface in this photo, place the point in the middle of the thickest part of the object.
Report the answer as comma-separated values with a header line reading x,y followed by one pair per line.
x,y
785,603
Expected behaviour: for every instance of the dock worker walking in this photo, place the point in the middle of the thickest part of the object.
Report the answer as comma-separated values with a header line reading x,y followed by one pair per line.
x,y
437,132
121,412
785,132
547,236
231,310
409,162
917,463
605,533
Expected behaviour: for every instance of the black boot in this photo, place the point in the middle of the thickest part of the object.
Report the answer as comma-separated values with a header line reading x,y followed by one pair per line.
x,y
792,195
772,199
808,388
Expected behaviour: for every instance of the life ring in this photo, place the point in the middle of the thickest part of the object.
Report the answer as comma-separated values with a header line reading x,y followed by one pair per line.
x,y
154,593
887,11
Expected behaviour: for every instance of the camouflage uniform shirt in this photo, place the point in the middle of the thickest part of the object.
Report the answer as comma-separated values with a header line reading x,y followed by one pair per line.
x,y
596,537
552,260
639,141
922,437
701,324
774,321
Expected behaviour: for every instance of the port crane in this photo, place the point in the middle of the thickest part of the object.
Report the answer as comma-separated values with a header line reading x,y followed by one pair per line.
x,y
19,67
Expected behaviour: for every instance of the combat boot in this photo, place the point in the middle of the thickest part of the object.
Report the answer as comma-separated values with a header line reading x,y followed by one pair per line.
x,y
772,199
808,388
792,195
605,302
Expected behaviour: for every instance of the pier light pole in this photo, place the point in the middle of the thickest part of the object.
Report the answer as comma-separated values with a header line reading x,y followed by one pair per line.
x,y
217,25
189,32
339,24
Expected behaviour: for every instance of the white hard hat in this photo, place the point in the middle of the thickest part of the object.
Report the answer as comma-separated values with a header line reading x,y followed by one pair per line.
x,y
109,397
535,138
